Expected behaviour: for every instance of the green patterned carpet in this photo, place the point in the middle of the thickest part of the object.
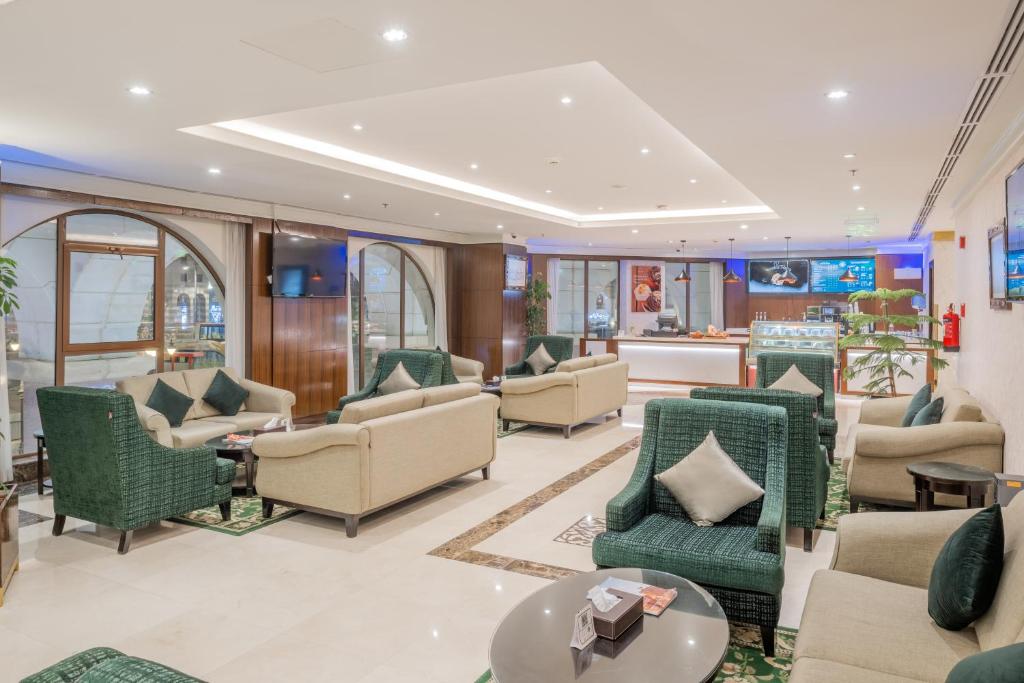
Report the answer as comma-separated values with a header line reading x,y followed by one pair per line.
x,y
246,516
744,661
837,503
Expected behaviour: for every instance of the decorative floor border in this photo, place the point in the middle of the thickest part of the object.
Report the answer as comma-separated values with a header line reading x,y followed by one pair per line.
x,y
461,547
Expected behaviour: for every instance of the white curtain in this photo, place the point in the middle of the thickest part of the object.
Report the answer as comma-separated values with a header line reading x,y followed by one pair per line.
x,y
6,462
440,299
234,296
552,306
717,294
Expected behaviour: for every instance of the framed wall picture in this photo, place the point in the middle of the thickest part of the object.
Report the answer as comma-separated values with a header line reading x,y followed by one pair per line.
x,y
515,272
997,268
645,286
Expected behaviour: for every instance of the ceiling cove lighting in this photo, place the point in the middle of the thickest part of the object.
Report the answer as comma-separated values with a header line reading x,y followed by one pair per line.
x,y
337,152
683,276
848,275
394,35
140,90
837,94
730,277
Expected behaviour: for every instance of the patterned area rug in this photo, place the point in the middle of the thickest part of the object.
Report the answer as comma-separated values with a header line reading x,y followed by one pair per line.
x,y
513,427
246,516
837,503
744,661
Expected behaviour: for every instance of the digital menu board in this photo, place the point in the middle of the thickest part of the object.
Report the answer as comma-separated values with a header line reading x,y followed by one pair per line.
x,y
1015,274
825,274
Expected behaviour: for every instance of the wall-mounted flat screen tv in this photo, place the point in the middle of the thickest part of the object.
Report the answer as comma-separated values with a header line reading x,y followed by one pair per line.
x,y
778,276
1015,234
305,267
825,273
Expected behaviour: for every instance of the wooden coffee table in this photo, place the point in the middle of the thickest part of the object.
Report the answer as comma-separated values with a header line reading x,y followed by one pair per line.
x,y
243,453
949,478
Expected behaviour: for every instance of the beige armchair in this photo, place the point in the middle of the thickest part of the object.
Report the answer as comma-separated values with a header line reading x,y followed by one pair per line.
x,y
875,595
578,390
878,450
383,450
467,369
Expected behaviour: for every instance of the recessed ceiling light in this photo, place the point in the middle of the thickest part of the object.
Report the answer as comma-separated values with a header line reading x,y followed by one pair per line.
x,y
693,181
849,155
346,196
566,100
213,170
838,94
474,166
500,226
140,90
590,244
357,126
744,226
860,208
644,150
394,35
856,188
635,231
437,213
725,201
547,191
600,208
765,237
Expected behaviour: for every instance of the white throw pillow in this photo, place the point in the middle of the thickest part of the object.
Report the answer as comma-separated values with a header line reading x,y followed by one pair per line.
x,y
398,380
708,484
540,360
794,380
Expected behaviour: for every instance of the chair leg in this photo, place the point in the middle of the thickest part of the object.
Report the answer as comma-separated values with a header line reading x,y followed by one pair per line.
x,y
268,509
768,640
854,504
504,425
125,543
808,537
619,412
831,456
351,525
486,472
225,510
58,524
566,431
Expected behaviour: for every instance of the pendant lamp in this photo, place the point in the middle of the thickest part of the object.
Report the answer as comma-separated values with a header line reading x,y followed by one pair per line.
x,y
787,276
848,275
731,278
684,275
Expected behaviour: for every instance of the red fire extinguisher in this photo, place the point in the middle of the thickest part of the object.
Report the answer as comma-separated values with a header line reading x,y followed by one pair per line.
x,y
951,330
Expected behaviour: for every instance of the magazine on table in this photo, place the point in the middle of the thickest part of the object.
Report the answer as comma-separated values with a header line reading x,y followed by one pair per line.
x,y
655,599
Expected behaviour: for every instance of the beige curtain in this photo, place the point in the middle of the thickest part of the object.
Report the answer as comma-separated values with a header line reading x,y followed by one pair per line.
x,y
234,296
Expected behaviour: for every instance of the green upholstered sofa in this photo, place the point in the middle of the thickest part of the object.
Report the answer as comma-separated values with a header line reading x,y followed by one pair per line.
x,y
426,366
107,470
107,665
818,368
739,560
560,349
807,470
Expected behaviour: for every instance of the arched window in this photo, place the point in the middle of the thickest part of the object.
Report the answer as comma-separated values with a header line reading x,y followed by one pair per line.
x,y
392,305
199,308
100,295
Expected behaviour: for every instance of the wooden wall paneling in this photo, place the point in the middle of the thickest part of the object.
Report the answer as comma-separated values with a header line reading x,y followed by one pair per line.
x,y
480,277
260,322
513,312
736,302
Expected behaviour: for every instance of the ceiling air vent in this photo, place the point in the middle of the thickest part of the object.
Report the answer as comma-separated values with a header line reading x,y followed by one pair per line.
x,y
999,67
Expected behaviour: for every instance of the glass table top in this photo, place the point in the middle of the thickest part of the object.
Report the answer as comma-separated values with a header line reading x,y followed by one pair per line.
x,y
686,643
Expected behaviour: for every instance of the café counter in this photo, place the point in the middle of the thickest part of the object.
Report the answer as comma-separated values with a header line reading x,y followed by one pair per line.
x,y
677,360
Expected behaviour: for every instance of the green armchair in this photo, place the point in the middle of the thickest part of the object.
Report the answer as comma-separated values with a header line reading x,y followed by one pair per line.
x,y
426,366
739,560
818,368
807,470
107,665
560,349
107,470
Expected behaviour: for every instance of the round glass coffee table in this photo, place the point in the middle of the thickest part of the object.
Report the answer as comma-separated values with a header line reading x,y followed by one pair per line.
x,y
686,643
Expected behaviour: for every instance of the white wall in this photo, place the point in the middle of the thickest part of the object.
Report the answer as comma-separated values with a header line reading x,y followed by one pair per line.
x,y
991,362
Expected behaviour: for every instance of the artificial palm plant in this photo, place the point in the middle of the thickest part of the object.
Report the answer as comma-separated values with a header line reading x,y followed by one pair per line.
x,y
892,353
537,295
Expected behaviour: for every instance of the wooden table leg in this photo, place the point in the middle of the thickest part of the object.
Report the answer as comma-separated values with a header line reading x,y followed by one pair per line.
x,y
248,458
920,495
976,496
39,466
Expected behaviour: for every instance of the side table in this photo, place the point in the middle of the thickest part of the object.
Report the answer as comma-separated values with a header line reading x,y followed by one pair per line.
x,y
949,478
41,484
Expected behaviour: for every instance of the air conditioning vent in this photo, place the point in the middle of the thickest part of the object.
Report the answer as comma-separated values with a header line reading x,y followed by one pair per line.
x,y
999,67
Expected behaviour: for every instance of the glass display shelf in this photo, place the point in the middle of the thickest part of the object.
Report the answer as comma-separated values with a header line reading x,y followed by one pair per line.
x,y
793,336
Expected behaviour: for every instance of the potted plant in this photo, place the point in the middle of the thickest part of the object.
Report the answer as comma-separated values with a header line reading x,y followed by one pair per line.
x,y
9,493
537,295
891,352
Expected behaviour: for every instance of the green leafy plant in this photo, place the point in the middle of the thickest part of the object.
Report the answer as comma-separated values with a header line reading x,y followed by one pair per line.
x,y
537,295
8,303
892,353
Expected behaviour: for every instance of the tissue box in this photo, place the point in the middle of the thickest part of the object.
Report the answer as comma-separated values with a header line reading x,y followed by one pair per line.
x,y
618,619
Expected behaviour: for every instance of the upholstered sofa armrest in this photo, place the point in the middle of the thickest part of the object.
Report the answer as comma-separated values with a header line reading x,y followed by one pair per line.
x,y
520,368
467,367
629,506
155,423
306,441
894,546
902,442
361,395
263,398
531,385
887,412
829,401
771,525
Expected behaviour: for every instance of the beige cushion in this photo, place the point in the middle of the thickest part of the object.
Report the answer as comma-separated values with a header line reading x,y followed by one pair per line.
x,y
708,484
197,432
433,396
198,383
540,360
398,380
959,406
794,380
574,364
810,670
372,408
243,421
1003,624
874,624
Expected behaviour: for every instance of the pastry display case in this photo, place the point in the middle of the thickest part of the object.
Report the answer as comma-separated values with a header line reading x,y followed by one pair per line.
x,y
793,336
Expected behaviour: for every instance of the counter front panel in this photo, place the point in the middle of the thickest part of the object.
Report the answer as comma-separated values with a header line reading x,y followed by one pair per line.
x,y
678,360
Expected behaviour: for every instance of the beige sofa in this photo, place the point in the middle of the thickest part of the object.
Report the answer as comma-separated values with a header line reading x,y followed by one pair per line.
x,y
382,450
866,618
578,390
467,369
878,450
203,422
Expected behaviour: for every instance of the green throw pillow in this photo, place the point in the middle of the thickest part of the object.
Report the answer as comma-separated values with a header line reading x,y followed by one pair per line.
x,y
930,414
966,572
922,398
169,402
225,394
999,665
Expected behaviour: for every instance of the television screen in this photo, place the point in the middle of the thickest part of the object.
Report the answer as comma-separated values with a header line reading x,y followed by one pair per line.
x,y
1015,234
308,267
825,274
778,276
